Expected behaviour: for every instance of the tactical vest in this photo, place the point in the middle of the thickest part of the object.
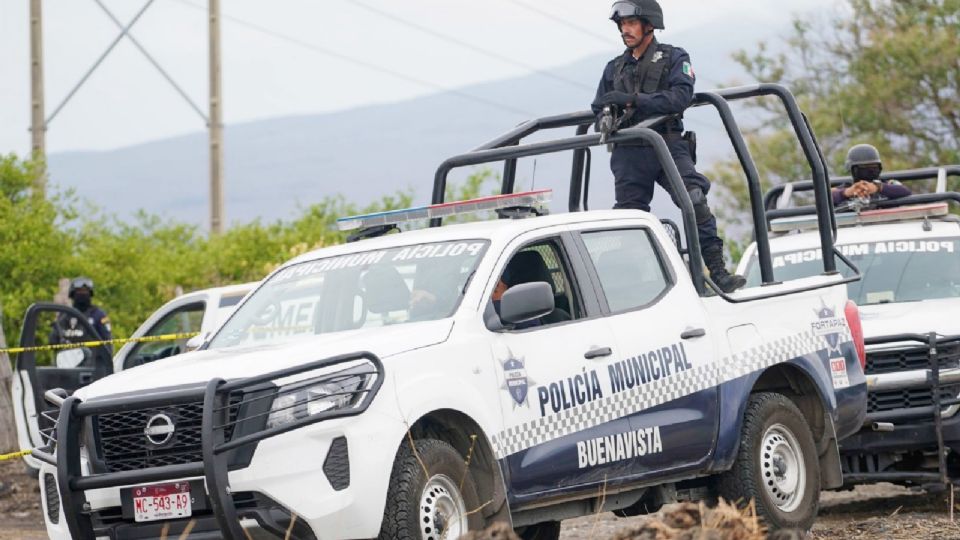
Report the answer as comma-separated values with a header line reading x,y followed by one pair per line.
x,y
646,77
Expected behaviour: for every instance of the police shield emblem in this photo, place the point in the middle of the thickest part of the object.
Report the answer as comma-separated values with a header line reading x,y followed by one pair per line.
x,y
828,327
516,380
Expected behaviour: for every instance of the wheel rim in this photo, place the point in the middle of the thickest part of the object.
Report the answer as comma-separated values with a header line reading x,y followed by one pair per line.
x,y
782,468
443,513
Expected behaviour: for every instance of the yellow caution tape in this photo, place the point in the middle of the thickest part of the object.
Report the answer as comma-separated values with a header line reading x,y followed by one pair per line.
x,y
15,455
118,341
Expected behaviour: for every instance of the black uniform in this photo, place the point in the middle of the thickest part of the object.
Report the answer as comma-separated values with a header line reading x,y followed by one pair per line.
x,y
663,81
68,330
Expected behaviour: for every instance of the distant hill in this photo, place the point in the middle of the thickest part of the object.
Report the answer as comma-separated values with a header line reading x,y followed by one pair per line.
x,y
275,166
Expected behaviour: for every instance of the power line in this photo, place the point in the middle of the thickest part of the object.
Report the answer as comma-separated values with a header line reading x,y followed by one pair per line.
x,y
545,12
468,45
362,63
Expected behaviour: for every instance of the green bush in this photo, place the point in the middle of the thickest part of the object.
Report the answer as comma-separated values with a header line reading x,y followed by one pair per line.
x,y
137,266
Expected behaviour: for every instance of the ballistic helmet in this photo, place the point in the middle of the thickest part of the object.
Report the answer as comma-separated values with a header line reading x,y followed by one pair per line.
x,y
647,10
81,282
863,156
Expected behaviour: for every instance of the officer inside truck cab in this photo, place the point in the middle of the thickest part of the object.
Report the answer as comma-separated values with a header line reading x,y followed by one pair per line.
x,y
653,79
863,162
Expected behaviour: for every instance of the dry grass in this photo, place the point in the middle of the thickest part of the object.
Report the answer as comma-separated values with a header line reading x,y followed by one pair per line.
x,y
684,521
690,521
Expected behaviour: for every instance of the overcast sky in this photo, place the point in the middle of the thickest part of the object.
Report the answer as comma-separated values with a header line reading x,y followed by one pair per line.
x,y
286,57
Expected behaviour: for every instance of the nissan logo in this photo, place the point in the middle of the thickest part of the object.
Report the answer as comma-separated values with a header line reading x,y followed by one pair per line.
x,y
159,429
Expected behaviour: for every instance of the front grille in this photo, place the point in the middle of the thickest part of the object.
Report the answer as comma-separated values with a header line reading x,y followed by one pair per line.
x,y
891,361
123,446
889,400
909,359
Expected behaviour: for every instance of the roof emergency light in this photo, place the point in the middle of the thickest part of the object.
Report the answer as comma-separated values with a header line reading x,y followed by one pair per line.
x,y
846,219
456,208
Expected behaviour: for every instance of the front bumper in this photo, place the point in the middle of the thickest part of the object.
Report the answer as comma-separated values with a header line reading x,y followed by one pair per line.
x,y
912,424
291,464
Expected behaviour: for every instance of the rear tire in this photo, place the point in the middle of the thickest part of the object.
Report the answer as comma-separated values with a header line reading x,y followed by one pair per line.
x,y
443,505
777,464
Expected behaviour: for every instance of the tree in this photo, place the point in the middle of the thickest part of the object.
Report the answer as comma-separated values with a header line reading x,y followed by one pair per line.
x,y
884,72
30,251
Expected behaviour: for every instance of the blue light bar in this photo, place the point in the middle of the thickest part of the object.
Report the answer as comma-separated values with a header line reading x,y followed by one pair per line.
x,y
483,204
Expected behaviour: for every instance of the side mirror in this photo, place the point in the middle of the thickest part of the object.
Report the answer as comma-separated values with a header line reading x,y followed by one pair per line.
x,y
56,396
526,302
195,342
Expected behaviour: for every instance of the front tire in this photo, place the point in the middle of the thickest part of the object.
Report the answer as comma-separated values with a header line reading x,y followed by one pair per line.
x,y
441,504
776,465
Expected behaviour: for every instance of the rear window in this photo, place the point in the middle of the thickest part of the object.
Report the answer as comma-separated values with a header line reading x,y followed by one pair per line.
x,y
893,271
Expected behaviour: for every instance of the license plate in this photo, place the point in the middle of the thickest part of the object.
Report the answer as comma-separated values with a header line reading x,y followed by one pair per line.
x,y
161,501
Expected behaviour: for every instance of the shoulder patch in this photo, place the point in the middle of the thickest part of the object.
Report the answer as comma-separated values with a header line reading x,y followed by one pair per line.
x,y
688,70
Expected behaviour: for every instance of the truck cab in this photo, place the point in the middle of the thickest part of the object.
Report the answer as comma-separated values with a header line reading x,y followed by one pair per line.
x,y
908,251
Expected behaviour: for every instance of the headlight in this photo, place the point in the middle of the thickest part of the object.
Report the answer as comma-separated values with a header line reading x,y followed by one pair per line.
x,y
306,398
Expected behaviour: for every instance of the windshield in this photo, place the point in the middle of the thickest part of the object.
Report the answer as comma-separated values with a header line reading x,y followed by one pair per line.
x,y
421,282
893,271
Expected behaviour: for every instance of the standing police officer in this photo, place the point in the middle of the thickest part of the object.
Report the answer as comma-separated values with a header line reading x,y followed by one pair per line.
x,y
67,329
653,79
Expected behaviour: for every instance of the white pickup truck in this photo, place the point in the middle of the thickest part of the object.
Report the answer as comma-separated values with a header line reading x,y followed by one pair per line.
x,y
199,312
908,251
524,370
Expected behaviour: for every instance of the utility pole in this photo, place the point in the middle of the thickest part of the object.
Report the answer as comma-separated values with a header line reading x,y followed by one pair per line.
x,y
38,124
216,123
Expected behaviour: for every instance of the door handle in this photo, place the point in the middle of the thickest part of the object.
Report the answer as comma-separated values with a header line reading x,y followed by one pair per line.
x,y
598,352
693,333
86,378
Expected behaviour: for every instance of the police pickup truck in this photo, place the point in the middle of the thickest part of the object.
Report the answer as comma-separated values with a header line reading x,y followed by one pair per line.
x,y
908,251
525,370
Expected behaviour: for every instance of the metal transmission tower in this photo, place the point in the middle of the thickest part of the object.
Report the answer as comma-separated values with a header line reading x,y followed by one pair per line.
x,y
214,121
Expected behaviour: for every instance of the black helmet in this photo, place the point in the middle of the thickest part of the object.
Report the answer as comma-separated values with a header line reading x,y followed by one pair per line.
x,y
648,10
81,282
863,156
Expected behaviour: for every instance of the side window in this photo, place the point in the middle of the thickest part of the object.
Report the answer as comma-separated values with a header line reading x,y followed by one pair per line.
x,y
542,262
184,320
628,266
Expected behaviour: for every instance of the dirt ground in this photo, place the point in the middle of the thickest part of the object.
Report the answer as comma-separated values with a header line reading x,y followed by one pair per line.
x,y
881,512
19,503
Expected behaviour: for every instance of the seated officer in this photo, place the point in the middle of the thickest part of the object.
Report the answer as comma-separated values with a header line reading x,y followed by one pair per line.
x,y
863,162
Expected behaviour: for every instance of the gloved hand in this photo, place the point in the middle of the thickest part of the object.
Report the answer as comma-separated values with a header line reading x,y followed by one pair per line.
x,y
620,99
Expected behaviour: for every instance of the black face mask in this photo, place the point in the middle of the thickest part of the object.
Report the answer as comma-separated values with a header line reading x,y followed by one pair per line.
x,y
866,172
81,301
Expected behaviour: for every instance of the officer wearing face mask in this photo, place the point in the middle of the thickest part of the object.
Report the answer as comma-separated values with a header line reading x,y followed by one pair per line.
x,y
67,329
654,79
863,162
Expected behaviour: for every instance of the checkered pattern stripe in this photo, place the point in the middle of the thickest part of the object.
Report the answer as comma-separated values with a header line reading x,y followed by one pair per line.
x,y
523,436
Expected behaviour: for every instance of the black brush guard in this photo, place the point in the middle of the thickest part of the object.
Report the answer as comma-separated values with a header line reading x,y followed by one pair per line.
x,y
933,342
216,444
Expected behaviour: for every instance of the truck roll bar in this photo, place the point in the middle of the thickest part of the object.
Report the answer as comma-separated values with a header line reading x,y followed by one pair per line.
x,y
509,147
